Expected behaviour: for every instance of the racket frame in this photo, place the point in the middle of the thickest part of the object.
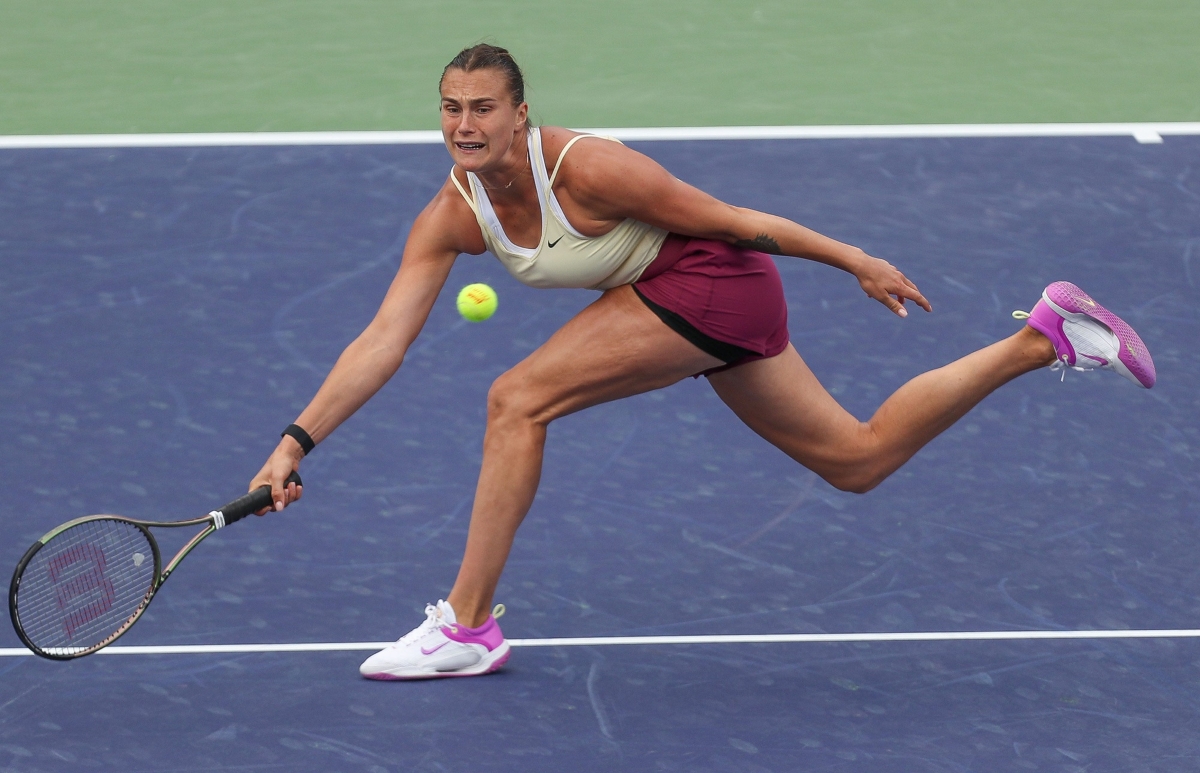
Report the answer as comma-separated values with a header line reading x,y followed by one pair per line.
x,y
160,574
229,514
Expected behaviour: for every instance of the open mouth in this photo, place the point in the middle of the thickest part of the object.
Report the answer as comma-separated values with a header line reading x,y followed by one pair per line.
x,y
469,146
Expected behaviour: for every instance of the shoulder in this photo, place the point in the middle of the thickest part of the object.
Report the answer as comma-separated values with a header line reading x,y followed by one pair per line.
x,y
591,147
593,160
448,220
554,139
598,168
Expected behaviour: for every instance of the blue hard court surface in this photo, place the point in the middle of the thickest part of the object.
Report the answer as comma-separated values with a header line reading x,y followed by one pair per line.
x,y
165,312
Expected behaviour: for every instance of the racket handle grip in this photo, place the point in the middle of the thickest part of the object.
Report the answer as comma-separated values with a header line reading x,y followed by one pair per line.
x,y
254,501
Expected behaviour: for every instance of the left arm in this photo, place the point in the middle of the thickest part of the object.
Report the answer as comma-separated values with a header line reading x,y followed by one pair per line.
x,y
614,182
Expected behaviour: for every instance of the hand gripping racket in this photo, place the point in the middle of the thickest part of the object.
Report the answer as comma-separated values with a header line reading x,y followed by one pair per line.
x,y
81,586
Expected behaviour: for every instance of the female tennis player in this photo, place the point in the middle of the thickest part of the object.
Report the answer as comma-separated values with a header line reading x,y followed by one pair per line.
x,y
688,288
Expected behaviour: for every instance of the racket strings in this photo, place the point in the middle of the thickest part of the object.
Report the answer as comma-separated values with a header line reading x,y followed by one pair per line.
x,y
84,584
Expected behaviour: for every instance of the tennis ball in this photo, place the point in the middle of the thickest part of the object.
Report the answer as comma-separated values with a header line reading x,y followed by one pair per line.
x,y
476,302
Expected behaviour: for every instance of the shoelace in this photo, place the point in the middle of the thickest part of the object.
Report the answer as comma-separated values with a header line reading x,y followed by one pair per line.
x,y
1061,363
431,623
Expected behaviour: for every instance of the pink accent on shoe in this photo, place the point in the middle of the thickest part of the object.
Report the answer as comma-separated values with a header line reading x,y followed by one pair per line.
x,y
1047,321
1133,353
488,634
499,662
464,651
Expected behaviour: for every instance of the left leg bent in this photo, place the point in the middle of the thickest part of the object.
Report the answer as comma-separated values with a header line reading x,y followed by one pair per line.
x,y
612,349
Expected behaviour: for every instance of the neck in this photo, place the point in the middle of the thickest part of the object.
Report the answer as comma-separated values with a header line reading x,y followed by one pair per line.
x,y
514,174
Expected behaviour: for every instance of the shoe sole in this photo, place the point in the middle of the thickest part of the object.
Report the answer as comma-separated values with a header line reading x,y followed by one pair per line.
x,y
492,662
1135,361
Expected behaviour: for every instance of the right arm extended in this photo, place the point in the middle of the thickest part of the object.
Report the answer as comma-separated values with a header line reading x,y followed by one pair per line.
x,y
439,234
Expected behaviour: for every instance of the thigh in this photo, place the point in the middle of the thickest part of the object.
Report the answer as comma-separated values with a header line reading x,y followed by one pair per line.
x,y
614,348
781,400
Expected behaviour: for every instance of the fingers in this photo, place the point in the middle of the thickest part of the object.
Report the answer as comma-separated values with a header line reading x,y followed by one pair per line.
x,y
896,305
274,474
896,302
258,482
908,291
895,299
290,494
283,495
278,494
916,296
886,284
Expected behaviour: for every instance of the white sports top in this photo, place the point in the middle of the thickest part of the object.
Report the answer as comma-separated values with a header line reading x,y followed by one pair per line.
x,y
564,257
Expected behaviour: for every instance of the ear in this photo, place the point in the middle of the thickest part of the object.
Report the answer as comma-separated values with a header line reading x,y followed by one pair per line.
x,y
523,116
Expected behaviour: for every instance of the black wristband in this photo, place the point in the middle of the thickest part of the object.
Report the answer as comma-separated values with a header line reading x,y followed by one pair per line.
x,y
298,434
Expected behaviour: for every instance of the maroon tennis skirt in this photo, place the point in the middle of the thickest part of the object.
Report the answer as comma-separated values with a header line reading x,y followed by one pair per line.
x,y
726,300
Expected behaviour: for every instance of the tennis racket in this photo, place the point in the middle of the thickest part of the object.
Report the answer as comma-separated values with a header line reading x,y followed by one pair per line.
x,y
81,586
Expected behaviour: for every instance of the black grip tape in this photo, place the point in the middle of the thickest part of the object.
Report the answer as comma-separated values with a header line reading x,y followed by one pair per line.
x,y
254,501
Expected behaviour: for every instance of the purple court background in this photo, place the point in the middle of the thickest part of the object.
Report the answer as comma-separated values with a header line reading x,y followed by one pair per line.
x,y
166,312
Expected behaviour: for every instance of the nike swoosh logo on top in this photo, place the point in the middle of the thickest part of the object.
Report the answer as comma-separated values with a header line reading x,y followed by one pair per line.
x,y
435,649
1100,360
556,241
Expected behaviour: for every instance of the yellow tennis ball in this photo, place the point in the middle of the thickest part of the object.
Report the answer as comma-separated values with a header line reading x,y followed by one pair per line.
x,y
476,302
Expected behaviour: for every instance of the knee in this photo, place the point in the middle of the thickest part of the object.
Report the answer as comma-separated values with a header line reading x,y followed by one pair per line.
x,y
853,481
857,465
512,400
853,474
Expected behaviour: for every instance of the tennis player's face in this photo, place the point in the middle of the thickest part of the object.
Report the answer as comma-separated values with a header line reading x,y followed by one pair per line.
x,y
479,121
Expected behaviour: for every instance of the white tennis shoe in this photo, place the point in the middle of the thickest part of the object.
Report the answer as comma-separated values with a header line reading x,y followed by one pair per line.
x,y
441,646
1087,336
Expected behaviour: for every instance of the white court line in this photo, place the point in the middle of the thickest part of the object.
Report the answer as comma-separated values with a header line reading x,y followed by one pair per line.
x,y
602,641
1147,133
